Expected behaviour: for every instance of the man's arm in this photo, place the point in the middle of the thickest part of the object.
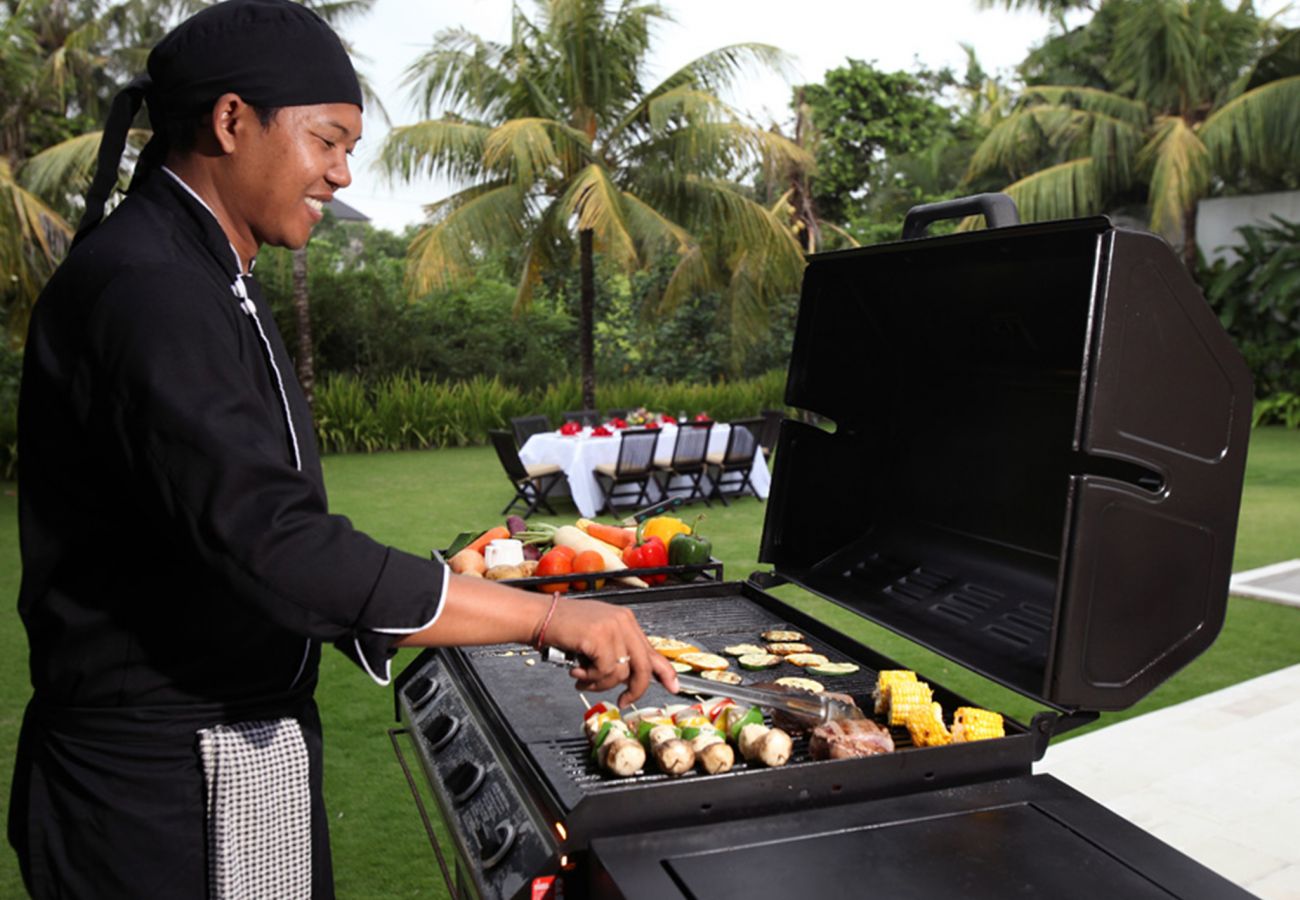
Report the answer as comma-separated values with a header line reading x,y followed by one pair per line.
x,y
606,636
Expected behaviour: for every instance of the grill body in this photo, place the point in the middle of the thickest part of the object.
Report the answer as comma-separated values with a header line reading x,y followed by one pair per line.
x,y
1033,466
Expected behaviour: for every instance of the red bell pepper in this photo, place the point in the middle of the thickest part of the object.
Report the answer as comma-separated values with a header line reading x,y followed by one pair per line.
x,y
650,554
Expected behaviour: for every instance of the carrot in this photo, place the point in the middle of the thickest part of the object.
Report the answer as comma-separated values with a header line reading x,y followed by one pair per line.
x,y
492,534
610,534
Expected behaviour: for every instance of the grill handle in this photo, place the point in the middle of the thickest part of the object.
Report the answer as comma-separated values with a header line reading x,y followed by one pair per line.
x,y
815,706
998,211
393,734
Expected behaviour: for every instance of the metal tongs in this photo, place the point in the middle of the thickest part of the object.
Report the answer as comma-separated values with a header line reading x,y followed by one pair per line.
x,y
818,708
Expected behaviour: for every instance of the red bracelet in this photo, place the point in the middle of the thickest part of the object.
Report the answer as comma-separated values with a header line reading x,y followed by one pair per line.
x,y
541,632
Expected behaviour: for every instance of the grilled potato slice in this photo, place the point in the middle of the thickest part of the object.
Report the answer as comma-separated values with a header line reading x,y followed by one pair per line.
x,y
671,647
779,636
722,675
784,648
804,660
802,684
703,661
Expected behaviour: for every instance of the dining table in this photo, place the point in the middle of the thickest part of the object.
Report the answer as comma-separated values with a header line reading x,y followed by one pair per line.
x,y
579,454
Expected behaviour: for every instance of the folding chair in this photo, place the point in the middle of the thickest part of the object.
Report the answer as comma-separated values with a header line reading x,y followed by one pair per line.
x,y
771,431
687,461
525,427
584,417
730,469
532,483
634,466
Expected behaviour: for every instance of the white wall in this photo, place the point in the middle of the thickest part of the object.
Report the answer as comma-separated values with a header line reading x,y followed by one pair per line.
x,y
1218,219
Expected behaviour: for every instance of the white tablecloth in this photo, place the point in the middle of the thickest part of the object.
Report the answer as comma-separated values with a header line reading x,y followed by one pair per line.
x,y
578,455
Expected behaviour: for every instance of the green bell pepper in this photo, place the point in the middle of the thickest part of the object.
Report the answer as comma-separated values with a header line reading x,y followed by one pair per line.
x,y
689,550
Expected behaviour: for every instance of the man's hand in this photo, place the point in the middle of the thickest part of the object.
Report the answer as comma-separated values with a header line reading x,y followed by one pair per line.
x,y
611,642
607,637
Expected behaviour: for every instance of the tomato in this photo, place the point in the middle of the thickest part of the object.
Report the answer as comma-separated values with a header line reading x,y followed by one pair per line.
x,y
588,561
554,563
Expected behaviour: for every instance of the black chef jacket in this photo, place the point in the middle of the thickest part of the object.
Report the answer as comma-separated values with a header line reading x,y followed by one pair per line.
x,y
179,568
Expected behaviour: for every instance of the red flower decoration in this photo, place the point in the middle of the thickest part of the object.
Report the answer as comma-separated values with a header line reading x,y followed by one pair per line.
x,y
570,428
618,423
601,431
651,424
702,417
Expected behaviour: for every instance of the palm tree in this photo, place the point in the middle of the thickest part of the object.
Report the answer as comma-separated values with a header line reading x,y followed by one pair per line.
x,y
560,144
60,64
1186,112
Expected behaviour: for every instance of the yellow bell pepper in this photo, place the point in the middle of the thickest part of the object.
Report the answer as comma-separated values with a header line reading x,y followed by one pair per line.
x,y
664,528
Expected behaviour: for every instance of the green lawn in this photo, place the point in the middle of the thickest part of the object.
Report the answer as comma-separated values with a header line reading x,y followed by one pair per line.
x,y
419,500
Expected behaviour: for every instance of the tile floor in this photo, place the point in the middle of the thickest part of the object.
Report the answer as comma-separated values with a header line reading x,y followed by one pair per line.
x,y
1217,777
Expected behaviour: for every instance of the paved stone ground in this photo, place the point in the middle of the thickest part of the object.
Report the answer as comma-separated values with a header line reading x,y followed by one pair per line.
x,y
1217,777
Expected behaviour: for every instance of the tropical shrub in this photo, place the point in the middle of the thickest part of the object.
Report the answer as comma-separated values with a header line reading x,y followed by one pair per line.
x,y
406,411
1257,298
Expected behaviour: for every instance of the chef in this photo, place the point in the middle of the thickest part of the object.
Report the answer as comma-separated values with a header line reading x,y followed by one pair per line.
x,y
180,566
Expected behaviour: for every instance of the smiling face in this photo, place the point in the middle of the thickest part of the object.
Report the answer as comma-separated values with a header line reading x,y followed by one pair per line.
x,y
274,179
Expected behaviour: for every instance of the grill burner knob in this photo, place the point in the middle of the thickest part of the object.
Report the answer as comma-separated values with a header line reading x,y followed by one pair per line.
x,y
464,780
492,848
421,691
440,731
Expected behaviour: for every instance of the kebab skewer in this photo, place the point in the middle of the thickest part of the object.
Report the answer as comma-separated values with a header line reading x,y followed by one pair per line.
x,y
612,744
655,729
744,727
712,751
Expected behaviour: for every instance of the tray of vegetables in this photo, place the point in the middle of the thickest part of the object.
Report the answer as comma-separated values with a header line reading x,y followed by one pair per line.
x,y
586,556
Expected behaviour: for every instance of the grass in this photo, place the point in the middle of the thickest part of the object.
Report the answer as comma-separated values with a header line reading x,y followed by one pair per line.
x,y
418,500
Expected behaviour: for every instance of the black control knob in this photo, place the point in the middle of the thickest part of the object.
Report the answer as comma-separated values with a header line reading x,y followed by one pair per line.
x,y
421,691
493,846
440,731
464,780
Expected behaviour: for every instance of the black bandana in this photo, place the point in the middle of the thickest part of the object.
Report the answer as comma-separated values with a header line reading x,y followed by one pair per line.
x,y
271,53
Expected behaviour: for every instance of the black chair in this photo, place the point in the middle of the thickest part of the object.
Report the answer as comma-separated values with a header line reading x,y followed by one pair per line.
x,y
634,466
583,416
729,470
532,483
525,427
771,431
687,461
616,414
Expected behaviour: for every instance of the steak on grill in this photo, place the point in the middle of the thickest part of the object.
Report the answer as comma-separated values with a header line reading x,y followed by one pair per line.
x,y
849,738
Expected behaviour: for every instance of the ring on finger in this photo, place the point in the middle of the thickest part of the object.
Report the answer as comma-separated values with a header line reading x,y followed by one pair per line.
x,y
624,660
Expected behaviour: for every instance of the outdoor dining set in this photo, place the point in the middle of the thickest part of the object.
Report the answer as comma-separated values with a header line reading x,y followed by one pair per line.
x,y
619,458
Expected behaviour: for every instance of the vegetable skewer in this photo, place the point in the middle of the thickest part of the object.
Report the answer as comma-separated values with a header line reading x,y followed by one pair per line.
x,y
613,746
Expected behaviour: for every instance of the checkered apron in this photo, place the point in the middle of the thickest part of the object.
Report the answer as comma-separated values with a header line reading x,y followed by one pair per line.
x,y
259,810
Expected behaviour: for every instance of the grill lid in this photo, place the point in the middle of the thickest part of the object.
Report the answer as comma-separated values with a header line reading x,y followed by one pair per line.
x,y
1038,445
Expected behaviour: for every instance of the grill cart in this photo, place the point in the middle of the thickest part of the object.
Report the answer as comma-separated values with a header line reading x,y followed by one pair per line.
x,y
1033,466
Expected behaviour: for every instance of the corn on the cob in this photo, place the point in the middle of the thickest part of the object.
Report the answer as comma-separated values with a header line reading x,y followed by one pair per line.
x,y
905,696
971,723
884,680
925,725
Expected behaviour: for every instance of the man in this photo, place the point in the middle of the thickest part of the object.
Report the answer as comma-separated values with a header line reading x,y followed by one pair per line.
x,y
180,566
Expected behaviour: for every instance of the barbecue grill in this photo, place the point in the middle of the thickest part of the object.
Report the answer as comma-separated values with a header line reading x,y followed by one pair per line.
x,y
1039,436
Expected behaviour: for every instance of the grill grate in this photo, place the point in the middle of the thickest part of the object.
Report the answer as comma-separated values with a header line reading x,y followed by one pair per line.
x,y
544,713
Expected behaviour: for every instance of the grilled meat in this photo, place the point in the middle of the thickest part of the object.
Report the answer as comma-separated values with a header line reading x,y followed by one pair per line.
x,y
849,738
